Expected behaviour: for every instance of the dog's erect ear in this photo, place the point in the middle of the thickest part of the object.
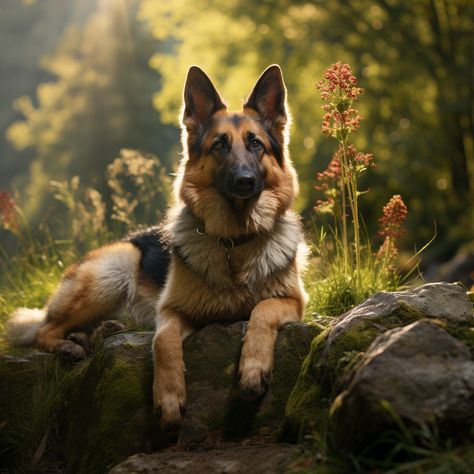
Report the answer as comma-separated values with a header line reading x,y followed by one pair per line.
x,y
268,97
201,99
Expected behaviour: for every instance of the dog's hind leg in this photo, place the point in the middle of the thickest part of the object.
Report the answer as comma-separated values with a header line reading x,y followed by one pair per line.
x,y
169,392
89,291
256,360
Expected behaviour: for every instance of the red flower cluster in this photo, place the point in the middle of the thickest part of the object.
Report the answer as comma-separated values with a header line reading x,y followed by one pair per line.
x,y
344,122
339,78
339,88
8,211
330,176
394,214
355,158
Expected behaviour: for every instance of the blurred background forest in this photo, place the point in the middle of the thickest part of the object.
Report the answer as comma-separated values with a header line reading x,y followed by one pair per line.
x,y
82,80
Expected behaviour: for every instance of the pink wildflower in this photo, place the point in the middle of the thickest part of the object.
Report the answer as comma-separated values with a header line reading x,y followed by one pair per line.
x,y
394,214
339,78
324,206
339,89
355,157
330,176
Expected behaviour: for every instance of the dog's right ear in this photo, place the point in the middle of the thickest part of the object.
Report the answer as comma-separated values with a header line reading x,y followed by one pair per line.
x,y
201,100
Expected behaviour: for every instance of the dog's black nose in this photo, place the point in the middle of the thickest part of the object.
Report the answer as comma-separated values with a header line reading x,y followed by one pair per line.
x,y
244,183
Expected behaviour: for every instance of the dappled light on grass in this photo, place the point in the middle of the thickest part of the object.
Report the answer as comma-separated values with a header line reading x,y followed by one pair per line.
x,y
31,273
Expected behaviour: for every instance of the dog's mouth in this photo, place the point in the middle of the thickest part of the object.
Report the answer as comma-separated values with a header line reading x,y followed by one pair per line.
x,y
243,197
240,195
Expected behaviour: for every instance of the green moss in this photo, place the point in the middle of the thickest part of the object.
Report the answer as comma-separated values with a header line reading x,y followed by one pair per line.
x,y
306,409
291,351
92,415
325,367
129,345
112,404
465,335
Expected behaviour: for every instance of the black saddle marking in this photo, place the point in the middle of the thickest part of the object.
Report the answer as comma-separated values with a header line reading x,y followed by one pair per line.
x,y
155,258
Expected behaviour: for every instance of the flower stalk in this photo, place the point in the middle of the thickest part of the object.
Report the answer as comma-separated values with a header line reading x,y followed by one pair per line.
x,y
340,91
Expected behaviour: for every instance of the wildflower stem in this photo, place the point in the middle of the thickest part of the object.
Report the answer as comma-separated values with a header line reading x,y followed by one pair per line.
x,y
345,241
353,199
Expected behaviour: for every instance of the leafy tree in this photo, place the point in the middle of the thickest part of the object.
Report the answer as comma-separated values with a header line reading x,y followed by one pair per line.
x,y
99,103
28,31
414,58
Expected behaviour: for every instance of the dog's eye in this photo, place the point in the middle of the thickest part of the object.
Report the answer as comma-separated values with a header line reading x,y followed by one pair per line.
x,y
218,146
256,144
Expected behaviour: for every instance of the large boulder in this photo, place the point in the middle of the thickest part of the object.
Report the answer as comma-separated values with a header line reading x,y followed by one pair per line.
x,y
334,351
107,414
416,375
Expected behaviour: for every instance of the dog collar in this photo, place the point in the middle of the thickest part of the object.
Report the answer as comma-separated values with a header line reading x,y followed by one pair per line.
x,y
228,243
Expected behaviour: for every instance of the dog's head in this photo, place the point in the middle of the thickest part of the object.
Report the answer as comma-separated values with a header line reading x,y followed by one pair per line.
x,y
236,175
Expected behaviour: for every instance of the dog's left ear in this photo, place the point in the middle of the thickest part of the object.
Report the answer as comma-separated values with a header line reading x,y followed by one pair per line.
x,y
268,98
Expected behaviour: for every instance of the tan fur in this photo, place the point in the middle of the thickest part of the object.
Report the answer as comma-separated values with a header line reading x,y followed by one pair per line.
x,y
90,291
256,360
208,278
169,392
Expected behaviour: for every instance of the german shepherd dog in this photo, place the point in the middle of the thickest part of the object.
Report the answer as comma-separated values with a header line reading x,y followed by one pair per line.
x,y
230,247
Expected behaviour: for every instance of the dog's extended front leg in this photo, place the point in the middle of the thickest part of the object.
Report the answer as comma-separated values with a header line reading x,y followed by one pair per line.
x,y
256,360
169,391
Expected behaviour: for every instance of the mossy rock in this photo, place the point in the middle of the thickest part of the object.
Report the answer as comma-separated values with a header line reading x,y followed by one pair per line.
x,y
110,408
339,347
213,403
416,376
102,407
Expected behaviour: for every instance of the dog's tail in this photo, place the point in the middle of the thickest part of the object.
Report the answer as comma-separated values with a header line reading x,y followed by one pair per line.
x,y
23,325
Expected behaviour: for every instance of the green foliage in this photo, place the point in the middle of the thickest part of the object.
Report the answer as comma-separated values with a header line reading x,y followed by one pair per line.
x,y
414,57
137,184
332,290
98,103
434,459
29,277
29,30
36,402
95,90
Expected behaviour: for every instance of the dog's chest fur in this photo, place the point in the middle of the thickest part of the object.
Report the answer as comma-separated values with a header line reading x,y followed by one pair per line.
x,y
227,285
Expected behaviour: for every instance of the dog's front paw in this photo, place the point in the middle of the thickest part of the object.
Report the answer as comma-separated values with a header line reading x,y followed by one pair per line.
x,y
81,339
254,379
170,407
69,351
